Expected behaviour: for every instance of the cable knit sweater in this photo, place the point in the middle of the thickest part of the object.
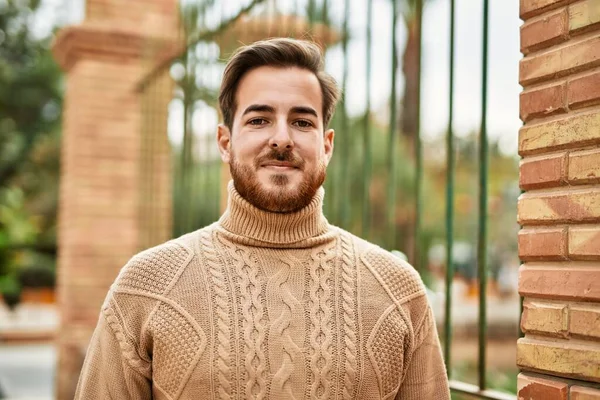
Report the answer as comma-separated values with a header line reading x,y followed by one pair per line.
x,y
262,305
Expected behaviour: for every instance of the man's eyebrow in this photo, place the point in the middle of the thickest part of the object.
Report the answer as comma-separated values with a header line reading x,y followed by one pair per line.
x,y
258,108
304,110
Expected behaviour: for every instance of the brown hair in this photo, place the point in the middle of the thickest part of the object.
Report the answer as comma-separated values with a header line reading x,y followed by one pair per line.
x,y
279,52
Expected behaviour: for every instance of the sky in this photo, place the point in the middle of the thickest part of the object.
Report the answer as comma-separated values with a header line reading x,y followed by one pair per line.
x,y
504,56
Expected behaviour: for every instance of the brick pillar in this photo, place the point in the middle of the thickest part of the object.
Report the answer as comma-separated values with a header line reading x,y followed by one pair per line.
x,y
560,211
105,179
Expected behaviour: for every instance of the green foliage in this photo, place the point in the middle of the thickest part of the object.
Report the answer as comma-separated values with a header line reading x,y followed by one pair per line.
x,y
30,108
38,275
10,289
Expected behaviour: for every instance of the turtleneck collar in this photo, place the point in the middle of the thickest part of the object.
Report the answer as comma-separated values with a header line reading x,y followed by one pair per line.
x,y
245,223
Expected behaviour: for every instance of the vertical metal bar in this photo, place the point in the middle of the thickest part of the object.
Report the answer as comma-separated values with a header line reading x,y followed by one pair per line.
x,y
418,251
449,203
366,212
196,173
186,158
483,175
392,137
311,9
344,176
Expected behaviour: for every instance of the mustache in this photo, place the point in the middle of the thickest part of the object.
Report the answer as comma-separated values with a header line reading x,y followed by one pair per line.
x,y
282,156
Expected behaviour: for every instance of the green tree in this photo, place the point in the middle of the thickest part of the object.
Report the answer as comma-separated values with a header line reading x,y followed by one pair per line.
x,y
30,107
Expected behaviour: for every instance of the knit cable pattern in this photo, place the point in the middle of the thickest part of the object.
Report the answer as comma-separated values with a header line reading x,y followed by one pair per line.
x,y
254,320
321,319
292,353
350,318
126,343
221,303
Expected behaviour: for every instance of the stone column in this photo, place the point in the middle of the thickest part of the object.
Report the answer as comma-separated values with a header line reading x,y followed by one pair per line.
x,y
112,162
559,243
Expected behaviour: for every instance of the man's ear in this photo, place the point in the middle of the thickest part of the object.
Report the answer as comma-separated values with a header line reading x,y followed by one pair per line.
x,y
328,137
224,142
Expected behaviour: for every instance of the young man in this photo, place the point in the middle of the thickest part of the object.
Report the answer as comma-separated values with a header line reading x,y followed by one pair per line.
x,y
270,302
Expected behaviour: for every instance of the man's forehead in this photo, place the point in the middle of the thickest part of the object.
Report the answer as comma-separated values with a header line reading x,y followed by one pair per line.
x,y
282,89
266,108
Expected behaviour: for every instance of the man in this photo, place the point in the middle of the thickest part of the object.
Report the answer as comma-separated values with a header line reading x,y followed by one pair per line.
x,y
270,302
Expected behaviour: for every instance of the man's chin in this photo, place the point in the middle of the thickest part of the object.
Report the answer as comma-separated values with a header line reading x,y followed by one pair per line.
x,y
278,182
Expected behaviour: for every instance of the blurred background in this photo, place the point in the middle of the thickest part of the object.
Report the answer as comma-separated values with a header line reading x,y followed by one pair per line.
x,y
415,133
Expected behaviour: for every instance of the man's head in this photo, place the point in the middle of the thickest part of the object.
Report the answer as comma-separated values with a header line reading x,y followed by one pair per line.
x,y
276,102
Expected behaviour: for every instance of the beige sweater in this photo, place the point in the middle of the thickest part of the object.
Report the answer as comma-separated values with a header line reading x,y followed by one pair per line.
x,y
265,306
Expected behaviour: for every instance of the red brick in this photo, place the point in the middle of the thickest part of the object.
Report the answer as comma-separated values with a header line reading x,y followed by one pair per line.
x,y
535,388
584,393
551,29
584,242
584,16
584,167
542,102
572,131
562,206
561,61
543,172
560,358
584,90
548,318
584,321
567,283
531,8
543,244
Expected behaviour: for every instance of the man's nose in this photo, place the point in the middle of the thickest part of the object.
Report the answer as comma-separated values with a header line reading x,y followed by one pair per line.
x,y
281,138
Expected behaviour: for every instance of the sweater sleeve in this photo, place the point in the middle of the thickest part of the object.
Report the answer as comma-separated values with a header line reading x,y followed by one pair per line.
x,y
111,369
426,375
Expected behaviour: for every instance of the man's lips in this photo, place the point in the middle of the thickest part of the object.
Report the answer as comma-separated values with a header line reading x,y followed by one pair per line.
x,y
279,165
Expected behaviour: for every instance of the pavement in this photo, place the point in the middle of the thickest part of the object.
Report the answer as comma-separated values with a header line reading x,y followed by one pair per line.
x,y
27,352
27,371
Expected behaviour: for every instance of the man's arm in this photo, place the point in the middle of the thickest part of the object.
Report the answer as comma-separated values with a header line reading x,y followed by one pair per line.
x,y
426,375
112,368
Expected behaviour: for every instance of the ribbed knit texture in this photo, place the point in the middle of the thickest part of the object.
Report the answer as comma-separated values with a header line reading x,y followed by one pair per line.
x,y
264,305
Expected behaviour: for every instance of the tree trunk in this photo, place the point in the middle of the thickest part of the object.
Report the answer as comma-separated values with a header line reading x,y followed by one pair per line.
x,y
410,68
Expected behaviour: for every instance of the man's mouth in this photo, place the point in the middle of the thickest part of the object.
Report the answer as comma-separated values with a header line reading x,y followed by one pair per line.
x,y
279,165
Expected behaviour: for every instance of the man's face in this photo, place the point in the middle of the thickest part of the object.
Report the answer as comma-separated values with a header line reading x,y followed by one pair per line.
x,y
277,150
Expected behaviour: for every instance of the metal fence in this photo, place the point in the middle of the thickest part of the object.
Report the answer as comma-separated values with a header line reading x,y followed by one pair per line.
x,y
375,180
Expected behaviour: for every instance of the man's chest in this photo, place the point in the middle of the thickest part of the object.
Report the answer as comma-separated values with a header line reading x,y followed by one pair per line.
x,y
288,325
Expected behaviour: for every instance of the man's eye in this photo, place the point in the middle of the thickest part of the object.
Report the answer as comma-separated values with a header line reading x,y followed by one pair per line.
x,y
257,121
302,123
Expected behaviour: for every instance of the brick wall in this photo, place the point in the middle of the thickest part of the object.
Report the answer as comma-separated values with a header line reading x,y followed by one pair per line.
x,y
115,195
559,243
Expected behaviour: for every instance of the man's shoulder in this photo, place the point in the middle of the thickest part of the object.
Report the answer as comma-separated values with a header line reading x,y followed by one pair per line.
x,y
395,274
154,269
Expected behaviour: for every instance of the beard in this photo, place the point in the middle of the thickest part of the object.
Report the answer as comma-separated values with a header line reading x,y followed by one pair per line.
x,y
282,199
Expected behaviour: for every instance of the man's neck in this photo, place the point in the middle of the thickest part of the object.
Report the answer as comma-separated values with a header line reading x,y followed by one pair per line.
x,y
269,229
